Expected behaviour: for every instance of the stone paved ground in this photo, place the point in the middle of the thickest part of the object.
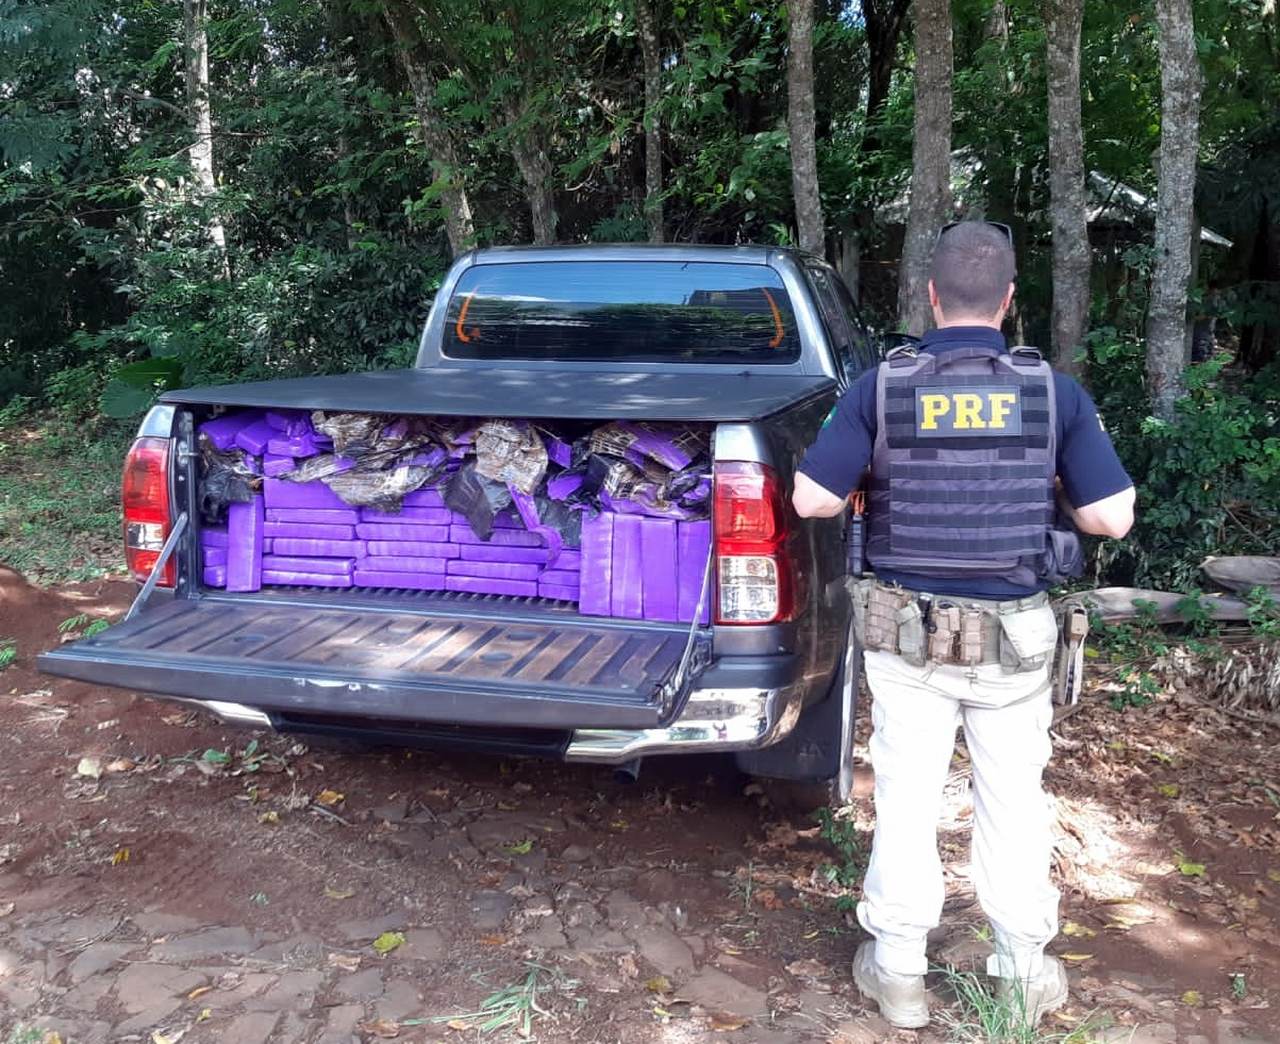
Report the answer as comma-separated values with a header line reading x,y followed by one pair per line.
x,y
191,881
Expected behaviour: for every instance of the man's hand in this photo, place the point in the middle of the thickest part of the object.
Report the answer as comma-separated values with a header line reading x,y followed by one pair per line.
x,y
1110,517
812,501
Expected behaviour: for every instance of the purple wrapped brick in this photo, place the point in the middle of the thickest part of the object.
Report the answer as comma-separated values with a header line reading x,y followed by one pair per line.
x,y
290,564
318,548
410,516
213,538
274,465
376,531
213,556
215,576
293,577
309,531
559,592
393,564
429,498
626,594
266,546
244,545
222,431
503,553
558,451
254,438
495,570
658,554
281,493
562,577
693,547
528,508
409,581
411,549
488,585
502,520
302,445
324,516
463,534
597,564
279,421
563,486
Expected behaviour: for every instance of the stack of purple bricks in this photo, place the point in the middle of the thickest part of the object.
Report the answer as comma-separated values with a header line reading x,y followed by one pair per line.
x,y
642,568
303,533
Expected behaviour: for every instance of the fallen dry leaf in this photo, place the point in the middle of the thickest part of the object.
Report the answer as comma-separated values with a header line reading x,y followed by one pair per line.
x,y
346,961
205,1015
723,1023
1076,958
7,908
458,1024
338,893
120,855
658,984
808,968
768,898
89,767
329,798
493,939
1192,998
122,765
384,1028
199,991
1077,931
271,817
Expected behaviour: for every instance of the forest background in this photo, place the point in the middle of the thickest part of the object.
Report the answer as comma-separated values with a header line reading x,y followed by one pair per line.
x,y
214,190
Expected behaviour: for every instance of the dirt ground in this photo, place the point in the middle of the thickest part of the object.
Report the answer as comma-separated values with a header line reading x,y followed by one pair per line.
x,y
197,882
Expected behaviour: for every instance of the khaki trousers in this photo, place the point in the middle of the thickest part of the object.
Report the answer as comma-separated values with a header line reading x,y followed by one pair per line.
x,y
1006,717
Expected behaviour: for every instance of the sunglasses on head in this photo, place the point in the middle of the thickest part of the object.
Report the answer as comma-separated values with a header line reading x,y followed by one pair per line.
x,y
998,225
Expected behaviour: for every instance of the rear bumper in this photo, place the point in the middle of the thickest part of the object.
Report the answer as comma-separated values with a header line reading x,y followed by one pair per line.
x,y
742,704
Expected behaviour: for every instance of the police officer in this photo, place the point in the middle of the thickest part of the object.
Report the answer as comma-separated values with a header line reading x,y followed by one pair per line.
x,y
972,451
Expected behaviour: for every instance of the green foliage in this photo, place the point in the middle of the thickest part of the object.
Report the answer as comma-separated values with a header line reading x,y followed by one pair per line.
x,y
1264,613
1138,689
8,652
851,849
60,497
1209,484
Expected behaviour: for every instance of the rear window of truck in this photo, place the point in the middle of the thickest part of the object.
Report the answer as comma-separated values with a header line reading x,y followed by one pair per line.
x,y
607,311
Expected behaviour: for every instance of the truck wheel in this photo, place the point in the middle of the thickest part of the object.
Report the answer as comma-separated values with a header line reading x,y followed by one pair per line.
x,y
819,750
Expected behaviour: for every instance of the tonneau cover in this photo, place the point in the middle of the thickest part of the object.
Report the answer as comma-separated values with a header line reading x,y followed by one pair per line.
x,y
535,393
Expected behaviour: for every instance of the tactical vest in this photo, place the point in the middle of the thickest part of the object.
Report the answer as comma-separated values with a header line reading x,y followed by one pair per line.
x,y
962,474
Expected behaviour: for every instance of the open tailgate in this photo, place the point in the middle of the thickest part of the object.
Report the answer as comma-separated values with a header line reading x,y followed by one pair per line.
x,y
409,665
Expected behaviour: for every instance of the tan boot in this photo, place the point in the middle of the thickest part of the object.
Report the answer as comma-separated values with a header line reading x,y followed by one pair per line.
x,y
901,998
1035,997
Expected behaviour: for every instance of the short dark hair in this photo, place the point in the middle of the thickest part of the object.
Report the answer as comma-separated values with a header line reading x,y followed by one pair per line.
x,y
972,267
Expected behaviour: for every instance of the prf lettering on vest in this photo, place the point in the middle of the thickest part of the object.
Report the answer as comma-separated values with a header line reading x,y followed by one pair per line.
x,y
969,411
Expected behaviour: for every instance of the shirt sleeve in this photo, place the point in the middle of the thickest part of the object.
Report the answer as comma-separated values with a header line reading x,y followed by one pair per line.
x,y
842,450
1088,464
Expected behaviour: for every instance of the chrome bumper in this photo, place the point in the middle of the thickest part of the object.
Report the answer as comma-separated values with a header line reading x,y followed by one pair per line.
x,y
713,720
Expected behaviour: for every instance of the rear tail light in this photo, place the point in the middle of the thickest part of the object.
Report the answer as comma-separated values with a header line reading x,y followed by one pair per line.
x,y
752,570
145,499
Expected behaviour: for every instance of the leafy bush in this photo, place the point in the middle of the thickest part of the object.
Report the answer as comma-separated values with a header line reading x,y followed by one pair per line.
x,y
1209,484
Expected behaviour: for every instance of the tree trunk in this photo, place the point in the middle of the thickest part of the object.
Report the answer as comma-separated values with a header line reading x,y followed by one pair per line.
x,y
651,51
1167,329
883,20
1067,207
196,52
800,118
456,205
535,168
931,162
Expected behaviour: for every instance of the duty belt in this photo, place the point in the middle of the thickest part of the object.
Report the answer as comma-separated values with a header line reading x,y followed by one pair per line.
x,y
923,628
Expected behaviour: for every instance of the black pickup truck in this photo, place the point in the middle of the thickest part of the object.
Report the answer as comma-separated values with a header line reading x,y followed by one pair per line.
x,y
751,344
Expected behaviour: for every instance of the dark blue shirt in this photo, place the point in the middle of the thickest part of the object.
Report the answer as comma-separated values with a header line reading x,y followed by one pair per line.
x,y
1087,462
